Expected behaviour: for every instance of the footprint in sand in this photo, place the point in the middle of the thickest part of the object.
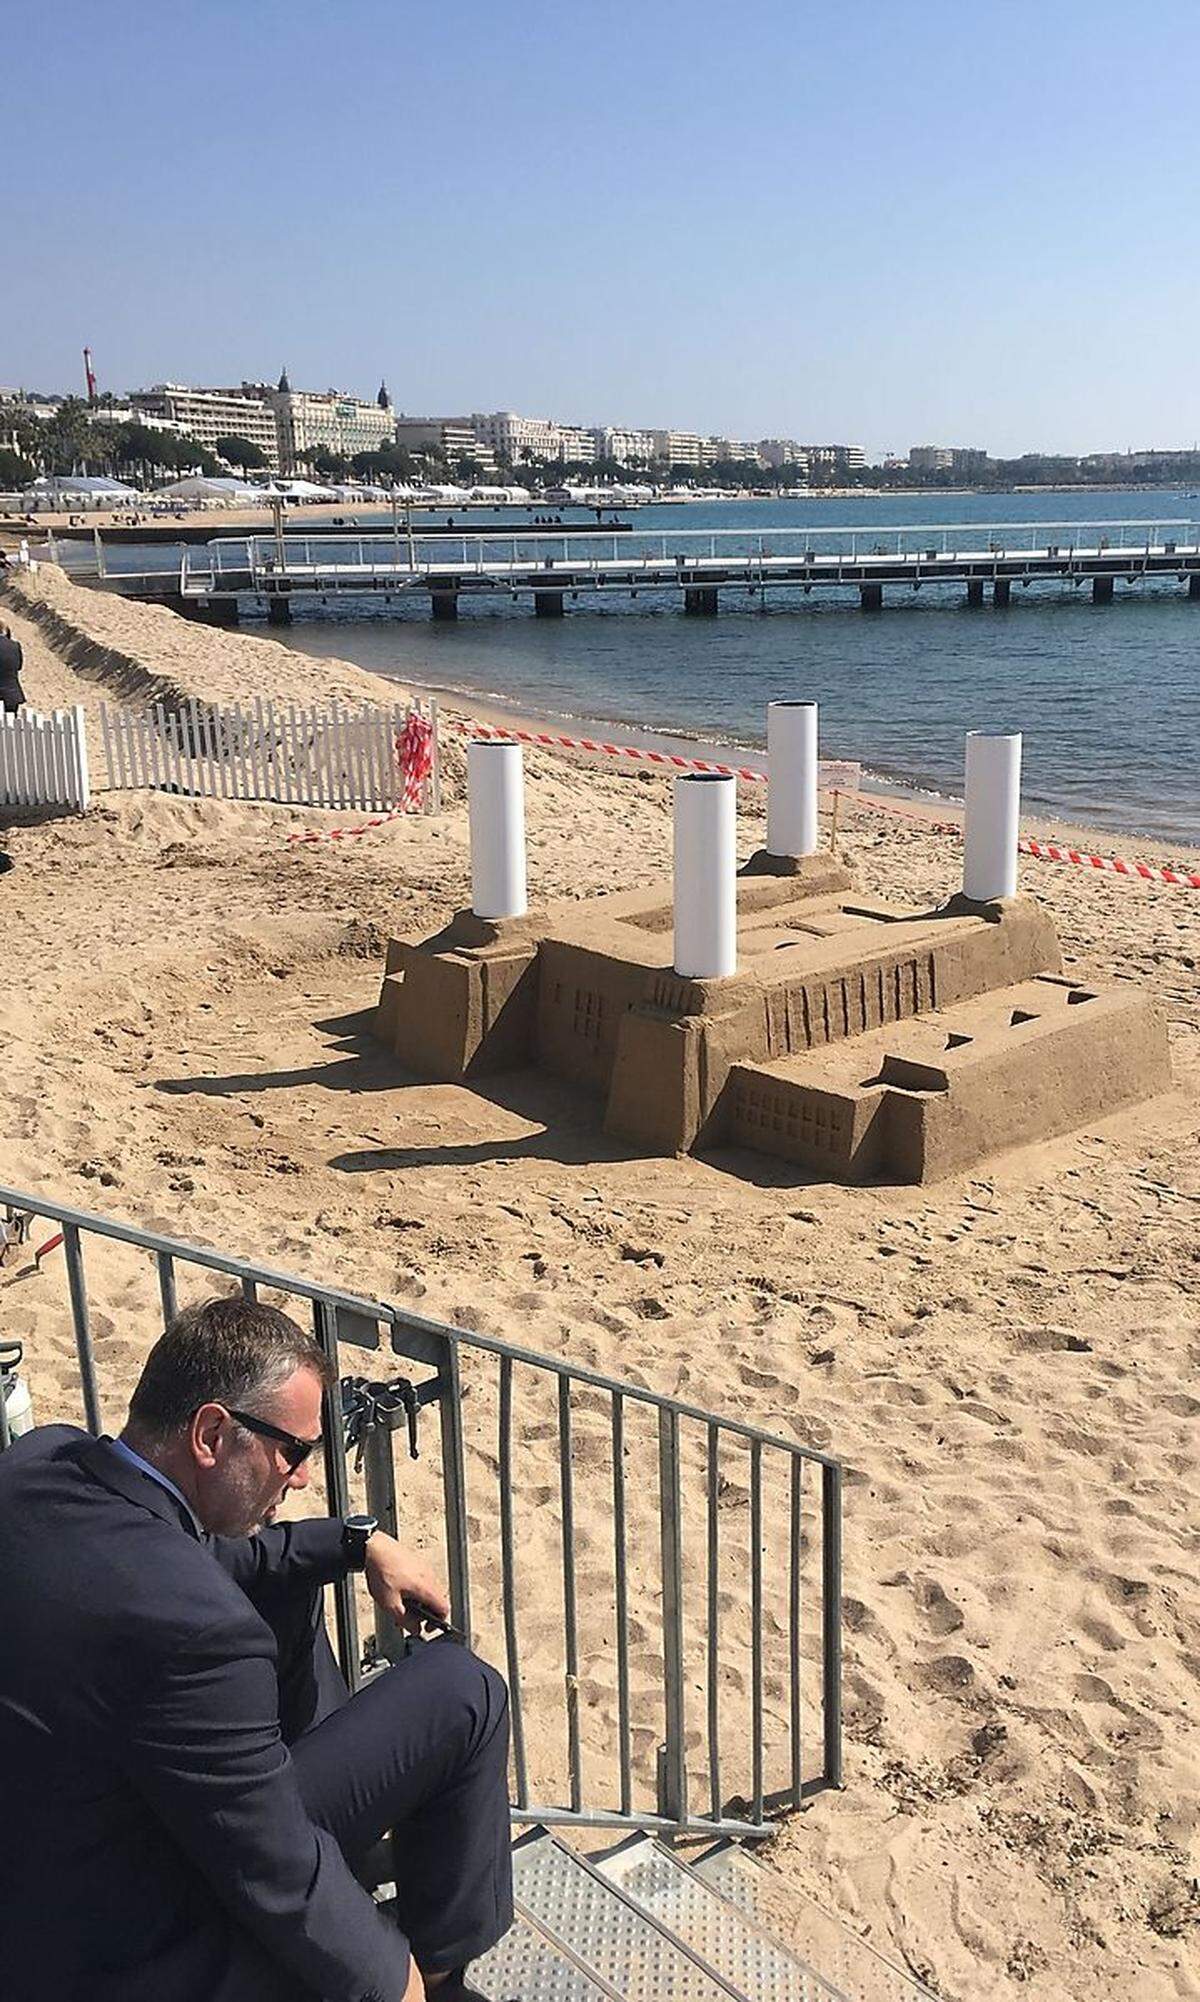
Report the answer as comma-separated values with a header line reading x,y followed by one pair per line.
x,y
941,1615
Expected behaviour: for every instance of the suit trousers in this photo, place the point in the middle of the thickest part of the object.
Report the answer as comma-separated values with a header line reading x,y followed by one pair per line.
x,y
420,1751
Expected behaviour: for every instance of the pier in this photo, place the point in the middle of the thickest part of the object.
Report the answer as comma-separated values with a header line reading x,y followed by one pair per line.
x,y
979,563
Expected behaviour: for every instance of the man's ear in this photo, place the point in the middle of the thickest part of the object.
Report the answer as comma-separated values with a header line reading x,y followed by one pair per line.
x,y
204,1434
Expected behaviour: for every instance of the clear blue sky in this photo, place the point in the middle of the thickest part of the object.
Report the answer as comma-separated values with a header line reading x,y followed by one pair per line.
x,y
885,223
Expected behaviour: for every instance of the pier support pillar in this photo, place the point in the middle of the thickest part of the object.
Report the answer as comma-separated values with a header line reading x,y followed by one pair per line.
x,y
1194,585
1002,591
548,604
871,597
1102,590
279,612
975,592
700,600
217,612
444,604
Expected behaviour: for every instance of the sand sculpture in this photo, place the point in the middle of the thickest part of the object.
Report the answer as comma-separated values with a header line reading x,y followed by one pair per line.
x,y
773,1009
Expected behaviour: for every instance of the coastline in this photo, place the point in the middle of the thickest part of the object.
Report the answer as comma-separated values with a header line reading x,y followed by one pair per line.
x,y
1002,1360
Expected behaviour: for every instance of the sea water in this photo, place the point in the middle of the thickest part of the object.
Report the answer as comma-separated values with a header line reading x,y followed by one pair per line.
x,y
1106,696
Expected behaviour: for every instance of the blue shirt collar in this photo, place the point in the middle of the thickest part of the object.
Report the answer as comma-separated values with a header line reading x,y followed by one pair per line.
x,y
164,1480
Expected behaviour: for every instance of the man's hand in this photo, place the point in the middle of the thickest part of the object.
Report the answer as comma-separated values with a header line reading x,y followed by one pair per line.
x,y
402,1583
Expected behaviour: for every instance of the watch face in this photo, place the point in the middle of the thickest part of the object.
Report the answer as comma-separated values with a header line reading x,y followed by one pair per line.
x,y
362,1525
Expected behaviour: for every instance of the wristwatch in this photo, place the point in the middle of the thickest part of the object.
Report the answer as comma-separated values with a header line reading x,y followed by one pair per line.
x,y
357,1531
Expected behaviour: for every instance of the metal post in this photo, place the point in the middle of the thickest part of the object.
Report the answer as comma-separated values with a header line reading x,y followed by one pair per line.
x,y
379,1473
831,1618
77,1285
280,546
100,569
673,1766
337,1490
454,1488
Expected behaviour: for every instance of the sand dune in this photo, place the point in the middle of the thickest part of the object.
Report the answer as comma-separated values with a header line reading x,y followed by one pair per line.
x,y
1007,1362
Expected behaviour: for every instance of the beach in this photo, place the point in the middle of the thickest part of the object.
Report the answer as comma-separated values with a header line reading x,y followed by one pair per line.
x,y
1007,1362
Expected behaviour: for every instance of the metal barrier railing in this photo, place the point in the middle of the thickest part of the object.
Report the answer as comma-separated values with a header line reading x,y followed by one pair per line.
x,y
665,1583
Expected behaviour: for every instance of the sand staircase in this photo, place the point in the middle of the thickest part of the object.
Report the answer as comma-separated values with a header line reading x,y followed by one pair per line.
x,y
638,1923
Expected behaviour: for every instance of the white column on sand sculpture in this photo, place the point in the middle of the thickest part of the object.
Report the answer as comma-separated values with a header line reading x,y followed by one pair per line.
x,y
496,799
990,833
791,778
705,876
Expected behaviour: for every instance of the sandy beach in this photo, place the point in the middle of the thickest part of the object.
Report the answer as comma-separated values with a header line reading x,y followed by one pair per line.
x,y
1007,1362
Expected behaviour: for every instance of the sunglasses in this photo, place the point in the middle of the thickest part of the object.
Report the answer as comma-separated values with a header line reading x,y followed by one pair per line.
x,y
295,1451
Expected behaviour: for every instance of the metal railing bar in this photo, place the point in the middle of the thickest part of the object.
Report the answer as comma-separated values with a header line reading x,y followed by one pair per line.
x,y
714,1621
570,1614
249,1289
796,1717
621,1583
166,1287
508,1582
579,1374
601,1817
831,1619
337,1491
671,1525
454,1486
77,1283
393,1317
756,1633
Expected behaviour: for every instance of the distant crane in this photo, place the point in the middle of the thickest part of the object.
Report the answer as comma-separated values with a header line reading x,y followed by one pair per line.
x,y
90,374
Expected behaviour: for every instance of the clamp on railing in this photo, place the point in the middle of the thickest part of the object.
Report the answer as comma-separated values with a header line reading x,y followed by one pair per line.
x,y
367,1404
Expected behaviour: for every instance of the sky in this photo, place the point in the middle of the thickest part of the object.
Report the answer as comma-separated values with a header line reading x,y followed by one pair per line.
x,y
886,223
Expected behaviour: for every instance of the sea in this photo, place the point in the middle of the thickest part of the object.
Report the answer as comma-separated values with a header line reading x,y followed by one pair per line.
x,y
1107,697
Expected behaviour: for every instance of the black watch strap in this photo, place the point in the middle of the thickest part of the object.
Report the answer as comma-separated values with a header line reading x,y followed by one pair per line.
x,y
357,1531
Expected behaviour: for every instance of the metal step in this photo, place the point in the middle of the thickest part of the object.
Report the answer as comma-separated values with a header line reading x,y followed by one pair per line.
x,y
849,1965
724,1934
527,1967
595,1924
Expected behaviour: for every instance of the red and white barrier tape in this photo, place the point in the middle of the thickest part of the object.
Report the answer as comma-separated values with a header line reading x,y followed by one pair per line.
x,y
1046,851
1049,851
830,772
414,755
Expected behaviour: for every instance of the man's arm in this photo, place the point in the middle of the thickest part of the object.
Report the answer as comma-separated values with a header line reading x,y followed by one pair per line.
x,y
202,1747
294,1555
286,1556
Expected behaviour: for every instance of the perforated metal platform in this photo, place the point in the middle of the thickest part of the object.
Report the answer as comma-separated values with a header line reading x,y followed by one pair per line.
x,y
853,1967
527,1967
726,1937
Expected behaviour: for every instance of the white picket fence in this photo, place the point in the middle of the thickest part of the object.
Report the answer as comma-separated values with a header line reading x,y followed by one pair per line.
x,y
44,760
264,751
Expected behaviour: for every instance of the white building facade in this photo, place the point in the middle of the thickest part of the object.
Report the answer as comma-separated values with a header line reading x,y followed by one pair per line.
x,y
209,414
311,420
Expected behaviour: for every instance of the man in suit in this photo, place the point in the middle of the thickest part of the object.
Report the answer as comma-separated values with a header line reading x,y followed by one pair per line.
x,y
185,1785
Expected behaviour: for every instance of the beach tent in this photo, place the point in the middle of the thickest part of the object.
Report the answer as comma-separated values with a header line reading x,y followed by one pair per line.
x,y
301,490
199,487
72,489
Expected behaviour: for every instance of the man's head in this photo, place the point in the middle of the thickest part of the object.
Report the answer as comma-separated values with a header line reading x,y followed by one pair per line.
x,y
219,1386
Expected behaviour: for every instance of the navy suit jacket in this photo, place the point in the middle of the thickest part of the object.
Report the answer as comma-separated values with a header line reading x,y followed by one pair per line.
x,y
154,1846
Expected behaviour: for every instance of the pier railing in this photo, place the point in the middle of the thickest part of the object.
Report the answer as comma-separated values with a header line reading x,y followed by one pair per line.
x,y
661,1584
262,564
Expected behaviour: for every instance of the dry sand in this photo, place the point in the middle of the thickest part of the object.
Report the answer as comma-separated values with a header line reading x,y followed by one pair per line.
x,y
1006,1362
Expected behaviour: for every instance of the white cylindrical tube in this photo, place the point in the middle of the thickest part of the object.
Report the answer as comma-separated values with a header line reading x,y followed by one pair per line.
x,y
705,876
791,778
496,796
990,833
